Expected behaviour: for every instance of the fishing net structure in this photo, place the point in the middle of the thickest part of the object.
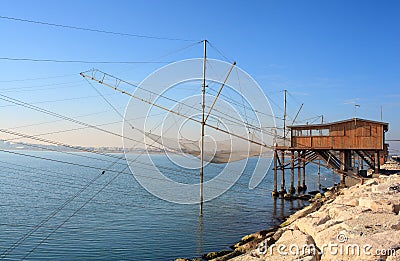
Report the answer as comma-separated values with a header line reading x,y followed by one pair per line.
x,y
239,124
165,115
215,151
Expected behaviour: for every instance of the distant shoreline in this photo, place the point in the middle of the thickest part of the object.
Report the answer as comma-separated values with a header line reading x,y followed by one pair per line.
x,y
100,150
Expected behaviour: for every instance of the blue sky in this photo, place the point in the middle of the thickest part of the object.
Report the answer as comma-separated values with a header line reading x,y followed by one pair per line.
x,y
327,54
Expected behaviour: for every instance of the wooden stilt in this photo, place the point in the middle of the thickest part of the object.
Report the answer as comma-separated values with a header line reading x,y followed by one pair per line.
x,y
298,188
282,192
304,186
291,188
275,191
376,162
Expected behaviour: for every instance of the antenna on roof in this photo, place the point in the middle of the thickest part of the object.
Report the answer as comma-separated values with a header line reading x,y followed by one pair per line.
x,y
355,113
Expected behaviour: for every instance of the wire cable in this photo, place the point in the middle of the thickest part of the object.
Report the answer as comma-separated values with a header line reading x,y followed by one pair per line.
x,y
36,108
33,230
220,53
80,61
95,30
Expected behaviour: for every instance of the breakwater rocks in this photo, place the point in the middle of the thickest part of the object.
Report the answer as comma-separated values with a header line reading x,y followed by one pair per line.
x,y
357,223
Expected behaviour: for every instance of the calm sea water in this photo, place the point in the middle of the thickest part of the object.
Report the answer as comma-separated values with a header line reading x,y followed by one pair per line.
x,y
41,219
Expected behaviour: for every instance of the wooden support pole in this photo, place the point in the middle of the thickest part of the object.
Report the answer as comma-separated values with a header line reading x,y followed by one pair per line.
x,y
342,179
282,192
342,161
275,191
304,186
203,95
376,162
319,175
379,160
348,160
298,188
291,188
343,167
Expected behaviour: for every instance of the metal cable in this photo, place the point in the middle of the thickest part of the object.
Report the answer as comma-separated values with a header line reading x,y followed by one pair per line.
x,y
95,30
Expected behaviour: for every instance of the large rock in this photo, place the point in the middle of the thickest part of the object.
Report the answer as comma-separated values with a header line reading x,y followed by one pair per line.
x,y
302,213
312,223
380,203
292,245
214,255
358,223
369,223
245,257
373,247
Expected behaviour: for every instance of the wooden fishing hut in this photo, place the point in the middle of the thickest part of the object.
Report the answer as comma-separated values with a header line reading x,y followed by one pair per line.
x,y
337,145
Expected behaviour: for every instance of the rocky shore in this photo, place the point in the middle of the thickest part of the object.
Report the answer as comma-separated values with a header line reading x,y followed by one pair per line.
x,y
357,223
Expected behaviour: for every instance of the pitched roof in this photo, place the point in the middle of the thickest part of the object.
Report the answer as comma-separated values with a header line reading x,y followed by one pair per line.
x,y
338,122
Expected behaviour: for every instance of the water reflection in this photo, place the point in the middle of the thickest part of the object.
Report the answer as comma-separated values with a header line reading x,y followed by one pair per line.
x,y
281,208
291,205
199,244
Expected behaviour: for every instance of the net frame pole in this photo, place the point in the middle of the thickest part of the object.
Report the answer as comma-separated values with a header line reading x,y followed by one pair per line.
x,y
219,91
203,97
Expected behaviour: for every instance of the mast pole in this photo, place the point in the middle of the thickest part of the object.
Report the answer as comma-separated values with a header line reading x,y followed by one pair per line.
x,y
284,117
203,97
